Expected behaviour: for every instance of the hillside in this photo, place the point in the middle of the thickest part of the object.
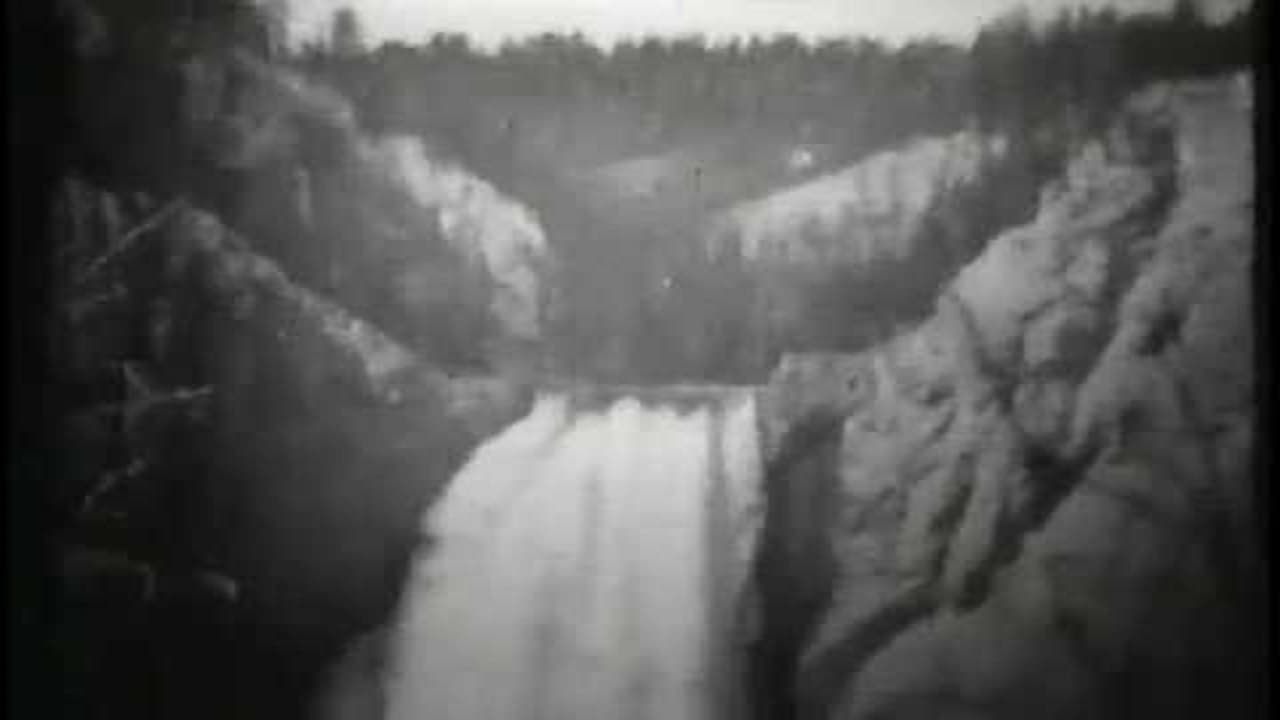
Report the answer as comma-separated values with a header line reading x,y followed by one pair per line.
x,y
1044,488
859,214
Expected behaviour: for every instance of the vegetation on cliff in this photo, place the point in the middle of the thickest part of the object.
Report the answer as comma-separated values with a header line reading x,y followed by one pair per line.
x,y
624,152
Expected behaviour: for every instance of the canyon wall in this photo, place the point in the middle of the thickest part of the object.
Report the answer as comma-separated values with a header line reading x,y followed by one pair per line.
x,y
1041,500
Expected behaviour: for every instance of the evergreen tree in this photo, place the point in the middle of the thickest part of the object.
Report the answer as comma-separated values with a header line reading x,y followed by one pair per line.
x,y
346,38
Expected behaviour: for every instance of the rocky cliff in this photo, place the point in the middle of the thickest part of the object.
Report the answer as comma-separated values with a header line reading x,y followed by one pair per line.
x,y
1038,502
186,102
865,212
250,314
489,229
221,425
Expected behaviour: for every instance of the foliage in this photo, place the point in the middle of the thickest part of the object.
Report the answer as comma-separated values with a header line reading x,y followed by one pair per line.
x,y
638,300
637,296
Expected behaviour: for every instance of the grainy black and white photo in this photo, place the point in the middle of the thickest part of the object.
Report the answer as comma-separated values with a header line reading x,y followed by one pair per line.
x,y
638,360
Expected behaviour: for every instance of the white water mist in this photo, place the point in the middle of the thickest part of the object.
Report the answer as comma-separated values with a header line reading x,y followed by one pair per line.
x,y
587,566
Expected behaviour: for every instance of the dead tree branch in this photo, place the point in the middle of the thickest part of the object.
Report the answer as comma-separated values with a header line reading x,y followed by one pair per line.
x,y
129,238
110,480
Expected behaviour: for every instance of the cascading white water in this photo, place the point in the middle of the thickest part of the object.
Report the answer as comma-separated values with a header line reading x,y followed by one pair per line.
x,y
589,565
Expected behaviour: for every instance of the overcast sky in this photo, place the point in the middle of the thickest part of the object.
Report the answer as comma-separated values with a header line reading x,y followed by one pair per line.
x,y
488,22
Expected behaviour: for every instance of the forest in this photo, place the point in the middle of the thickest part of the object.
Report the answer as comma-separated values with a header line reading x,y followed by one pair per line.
x,y
540,117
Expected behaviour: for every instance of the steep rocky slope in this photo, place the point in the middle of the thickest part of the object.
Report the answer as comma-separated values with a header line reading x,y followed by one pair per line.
x,y
223,403
220,424
184,102
1038,503
867,211
482,224
500,240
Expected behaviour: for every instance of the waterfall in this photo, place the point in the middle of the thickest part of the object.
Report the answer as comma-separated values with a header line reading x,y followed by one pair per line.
x,y
587,565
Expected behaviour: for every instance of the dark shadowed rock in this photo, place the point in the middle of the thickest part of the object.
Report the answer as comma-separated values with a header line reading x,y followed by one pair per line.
x,y
281,436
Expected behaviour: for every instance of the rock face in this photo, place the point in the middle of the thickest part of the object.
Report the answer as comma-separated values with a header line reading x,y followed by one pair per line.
x,y
489,229
378,223
1042,504
863,213
246,437
221,423
191,252
1036,503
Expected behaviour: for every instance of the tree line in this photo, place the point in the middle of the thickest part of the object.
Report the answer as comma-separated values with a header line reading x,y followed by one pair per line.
x,y
520,115
853,93
1044,86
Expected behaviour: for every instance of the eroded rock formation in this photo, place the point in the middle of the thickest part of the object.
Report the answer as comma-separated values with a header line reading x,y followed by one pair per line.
x,y
869,211
1042,505
238,449
1036,503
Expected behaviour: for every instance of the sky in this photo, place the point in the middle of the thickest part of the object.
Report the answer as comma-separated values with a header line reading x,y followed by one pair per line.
x,y
488,22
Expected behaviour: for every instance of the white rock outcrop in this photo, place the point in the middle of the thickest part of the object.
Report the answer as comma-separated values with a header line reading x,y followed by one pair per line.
x,y
865,212
492,230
